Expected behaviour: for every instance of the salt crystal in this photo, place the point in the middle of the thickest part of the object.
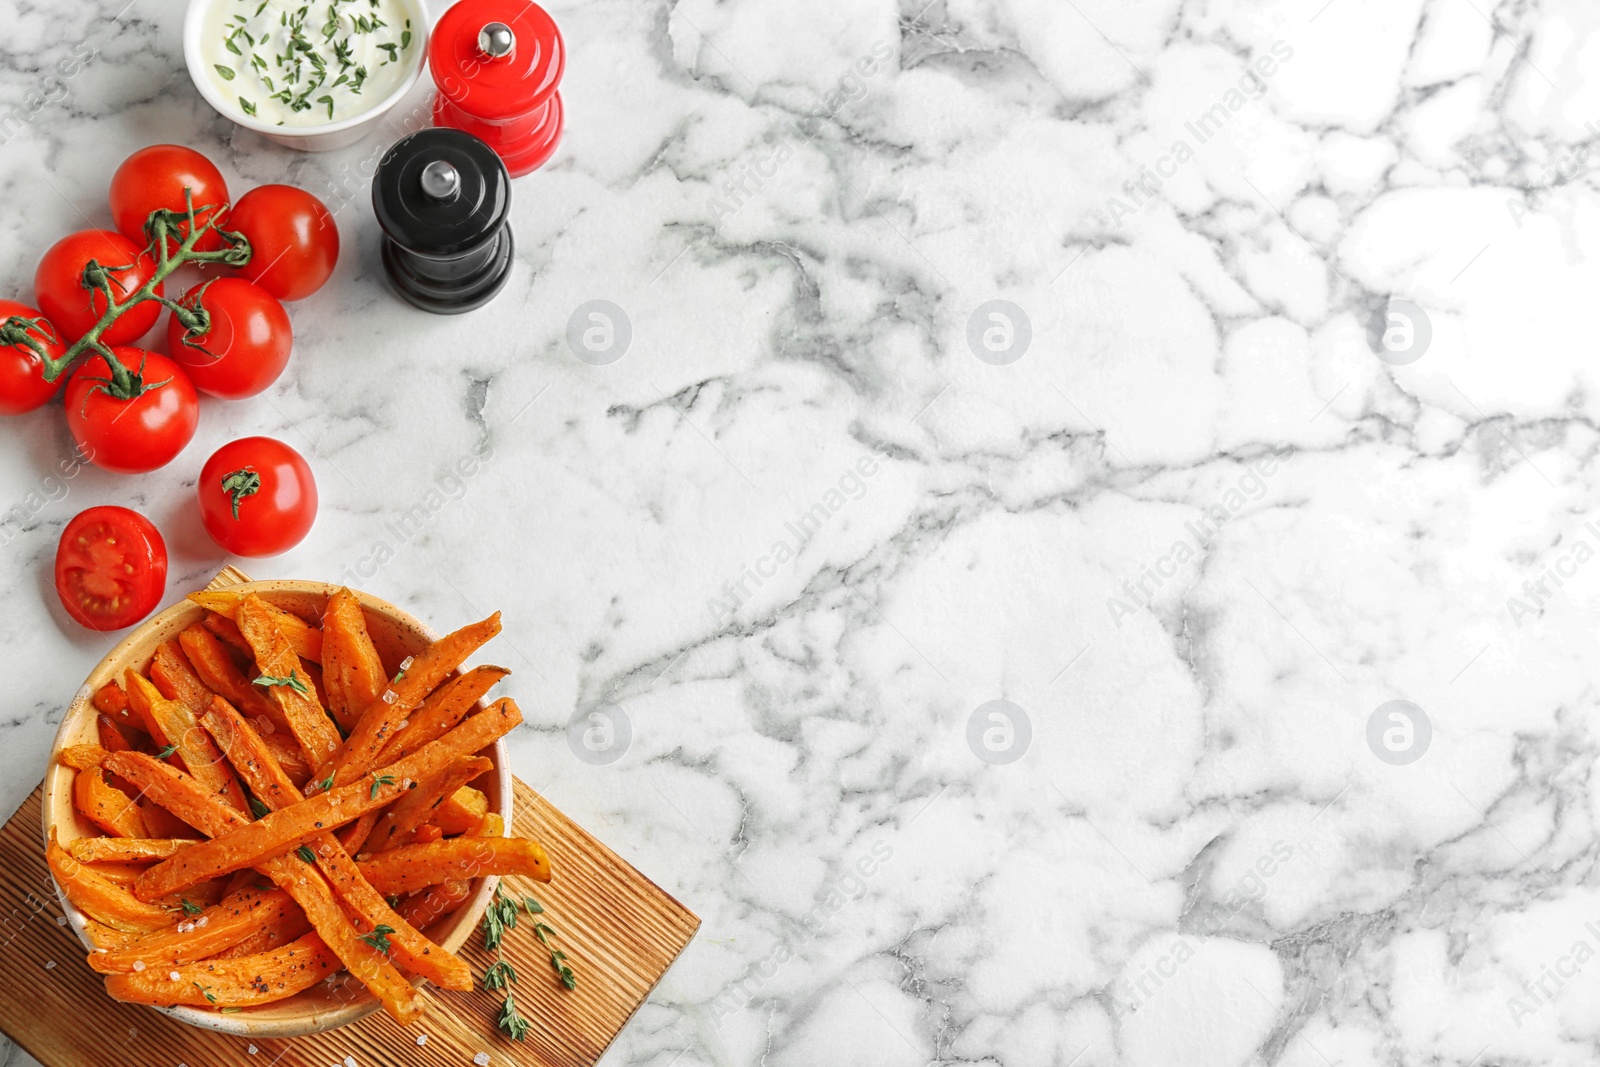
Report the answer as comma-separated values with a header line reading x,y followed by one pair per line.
x,y
403,724
138,965
389,696
406,663
349,1061
481,1059
50,966
202,920
251,1049
61,920
175,976
422,1039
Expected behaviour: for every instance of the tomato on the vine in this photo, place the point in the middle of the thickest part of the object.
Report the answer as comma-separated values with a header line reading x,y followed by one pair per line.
x,y
140,433
294,242
22,384
58,285
155,177
111,567
257,497
246,345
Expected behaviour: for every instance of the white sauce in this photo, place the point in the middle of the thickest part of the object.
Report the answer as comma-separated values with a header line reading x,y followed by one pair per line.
x,y
308,63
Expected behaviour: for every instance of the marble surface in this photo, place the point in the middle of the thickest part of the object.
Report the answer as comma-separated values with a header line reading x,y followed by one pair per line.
x,y
1285,417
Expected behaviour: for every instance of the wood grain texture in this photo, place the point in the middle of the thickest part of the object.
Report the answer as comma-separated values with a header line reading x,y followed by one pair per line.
x,y
620,931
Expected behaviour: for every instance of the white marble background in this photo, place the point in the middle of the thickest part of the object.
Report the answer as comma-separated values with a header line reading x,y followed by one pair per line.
x,y
1199,858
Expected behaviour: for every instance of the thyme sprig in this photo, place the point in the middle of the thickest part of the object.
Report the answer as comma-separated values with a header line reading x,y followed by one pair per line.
x,y
498,920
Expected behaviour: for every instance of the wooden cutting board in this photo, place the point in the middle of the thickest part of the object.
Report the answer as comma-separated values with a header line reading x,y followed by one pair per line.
x,y
619,930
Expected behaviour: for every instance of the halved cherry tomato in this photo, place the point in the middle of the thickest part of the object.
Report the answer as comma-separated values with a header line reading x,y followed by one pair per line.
x,y
247,345
22,384
294,242
58,285
141,434
155,177
111,567
257,497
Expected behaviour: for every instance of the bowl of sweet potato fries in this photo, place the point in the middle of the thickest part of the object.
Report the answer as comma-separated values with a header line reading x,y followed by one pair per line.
x,y
279,806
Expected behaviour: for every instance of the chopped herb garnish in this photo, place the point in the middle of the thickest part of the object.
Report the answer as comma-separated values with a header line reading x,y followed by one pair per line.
x,y
392,50
379,938
226,72
327,783
166,752
293,681
204,992
329,101
378,783
258,809
249,108
305,853
191,908
405,36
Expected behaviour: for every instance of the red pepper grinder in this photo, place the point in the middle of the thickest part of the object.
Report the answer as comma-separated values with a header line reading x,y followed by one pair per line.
x,y
497,64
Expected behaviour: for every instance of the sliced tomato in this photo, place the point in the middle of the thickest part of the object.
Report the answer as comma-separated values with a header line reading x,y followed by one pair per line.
x,y
111,567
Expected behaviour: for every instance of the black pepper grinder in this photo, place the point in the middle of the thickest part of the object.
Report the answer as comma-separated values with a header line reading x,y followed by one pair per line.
x,y
443,197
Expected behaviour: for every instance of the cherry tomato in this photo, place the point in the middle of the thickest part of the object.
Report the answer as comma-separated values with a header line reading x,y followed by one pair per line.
x,y
111,568
58,285
247,345
155,177
294,241
257,497
22,384
141,434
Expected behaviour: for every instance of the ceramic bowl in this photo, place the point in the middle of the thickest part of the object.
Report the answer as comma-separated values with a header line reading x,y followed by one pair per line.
x,y
396,635
326,137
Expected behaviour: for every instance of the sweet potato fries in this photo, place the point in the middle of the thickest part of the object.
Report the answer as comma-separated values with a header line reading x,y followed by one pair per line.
x,y
278,802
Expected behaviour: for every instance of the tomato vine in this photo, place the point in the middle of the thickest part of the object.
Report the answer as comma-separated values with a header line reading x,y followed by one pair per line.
x,y
126,383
